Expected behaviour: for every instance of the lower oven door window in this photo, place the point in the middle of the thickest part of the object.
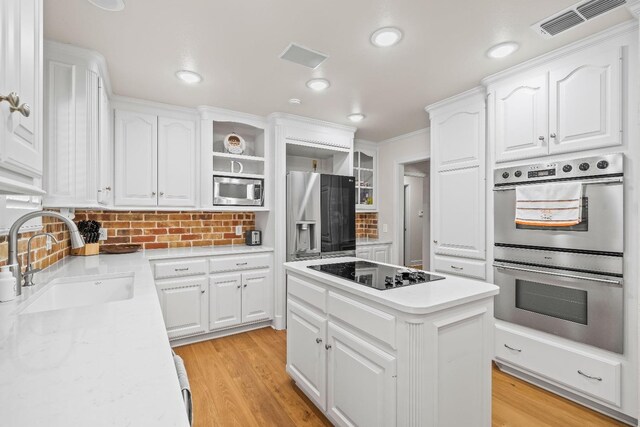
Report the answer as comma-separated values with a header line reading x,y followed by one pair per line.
x,y
556,301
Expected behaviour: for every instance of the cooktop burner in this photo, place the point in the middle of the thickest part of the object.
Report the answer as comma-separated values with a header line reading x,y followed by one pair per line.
x,y
376,276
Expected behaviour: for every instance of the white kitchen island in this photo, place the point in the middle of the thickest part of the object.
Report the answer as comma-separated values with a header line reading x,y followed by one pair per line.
x,y
413,356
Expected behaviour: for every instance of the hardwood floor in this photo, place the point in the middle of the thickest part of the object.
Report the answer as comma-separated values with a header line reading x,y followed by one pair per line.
x,y
241,381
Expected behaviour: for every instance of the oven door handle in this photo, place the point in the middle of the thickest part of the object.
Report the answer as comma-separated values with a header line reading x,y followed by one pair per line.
x,y
569,276
612,180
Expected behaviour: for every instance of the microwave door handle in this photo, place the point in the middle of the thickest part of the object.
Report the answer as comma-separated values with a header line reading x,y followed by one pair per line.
x,y
569,276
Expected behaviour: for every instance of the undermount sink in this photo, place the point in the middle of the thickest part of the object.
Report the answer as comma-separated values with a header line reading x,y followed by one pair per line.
x,y
81,291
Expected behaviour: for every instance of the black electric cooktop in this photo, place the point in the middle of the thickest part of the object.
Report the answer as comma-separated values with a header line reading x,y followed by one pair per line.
x,y
376,276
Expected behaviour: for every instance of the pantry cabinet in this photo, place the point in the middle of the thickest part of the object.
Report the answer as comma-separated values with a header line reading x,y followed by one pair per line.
x,y
184,306
458,178
569,104
21,143
155,160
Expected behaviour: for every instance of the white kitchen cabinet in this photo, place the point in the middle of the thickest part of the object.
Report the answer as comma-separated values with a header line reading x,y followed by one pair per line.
x,y
306,360
257,288
365,171
184,306
585,100
572,103
361,381
136,159
176,162
77,128
459,213
225,300
373,252
521,112
363,252
458,180
21,145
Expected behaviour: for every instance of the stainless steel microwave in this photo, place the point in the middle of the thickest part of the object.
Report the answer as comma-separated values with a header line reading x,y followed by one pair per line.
x,y
228,191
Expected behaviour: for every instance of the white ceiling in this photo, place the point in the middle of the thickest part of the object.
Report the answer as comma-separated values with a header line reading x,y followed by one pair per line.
x,y
235,46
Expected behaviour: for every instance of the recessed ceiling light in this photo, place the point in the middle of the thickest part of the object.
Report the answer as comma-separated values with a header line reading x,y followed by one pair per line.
x,y
385,37
110,5
190,77
318,84
503,49
357,117
295,101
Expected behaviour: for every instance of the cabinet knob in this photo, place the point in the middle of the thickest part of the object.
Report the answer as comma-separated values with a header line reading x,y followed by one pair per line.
x,y
162,193
553,135
108,188
245,285
327,346
153,193
318,340
239,286
202,291
14,104
541,138
435,241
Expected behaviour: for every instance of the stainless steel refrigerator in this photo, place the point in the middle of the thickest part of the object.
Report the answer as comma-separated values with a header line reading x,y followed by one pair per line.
x,y
321,216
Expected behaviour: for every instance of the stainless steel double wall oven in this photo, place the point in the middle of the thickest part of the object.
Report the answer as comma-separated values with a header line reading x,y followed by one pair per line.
x,y
566,281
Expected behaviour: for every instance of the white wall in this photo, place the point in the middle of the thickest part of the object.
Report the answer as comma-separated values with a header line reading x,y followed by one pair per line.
x,y
407,148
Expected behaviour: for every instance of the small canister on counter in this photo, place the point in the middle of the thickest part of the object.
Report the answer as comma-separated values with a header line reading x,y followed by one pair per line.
x,y
8,284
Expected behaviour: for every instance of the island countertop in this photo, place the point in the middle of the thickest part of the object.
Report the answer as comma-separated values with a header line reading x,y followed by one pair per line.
x,y
417,299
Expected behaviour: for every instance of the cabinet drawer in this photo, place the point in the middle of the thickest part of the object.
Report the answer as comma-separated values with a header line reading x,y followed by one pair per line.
x,y
461,267
561,364
179,268
374,322
239,262
308,292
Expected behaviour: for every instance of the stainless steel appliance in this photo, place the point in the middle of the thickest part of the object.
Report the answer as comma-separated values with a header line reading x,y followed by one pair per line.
x,y
381,277
567,281
321,215
253,238
231,191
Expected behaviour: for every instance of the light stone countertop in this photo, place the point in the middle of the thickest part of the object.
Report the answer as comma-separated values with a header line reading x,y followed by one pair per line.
x,y
100,365
418,299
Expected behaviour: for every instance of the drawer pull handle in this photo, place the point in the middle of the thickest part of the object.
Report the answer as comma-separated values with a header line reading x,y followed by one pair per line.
x,y
318,340
241,263
514,349
327,346
457,268
182,269
589,376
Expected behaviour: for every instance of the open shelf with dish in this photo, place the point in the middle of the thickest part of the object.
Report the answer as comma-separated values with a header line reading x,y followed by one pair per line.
x,y
238,150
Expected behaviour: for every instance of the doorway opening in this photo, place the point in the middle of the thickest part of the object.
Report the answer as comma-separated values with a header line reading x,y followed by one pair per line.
x,y
415,217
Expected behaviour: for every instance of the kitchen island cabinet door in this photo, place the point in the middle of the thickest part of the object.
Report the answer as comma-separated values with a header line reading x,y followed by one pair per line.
x,y
225,300
184,306
306,353
361,381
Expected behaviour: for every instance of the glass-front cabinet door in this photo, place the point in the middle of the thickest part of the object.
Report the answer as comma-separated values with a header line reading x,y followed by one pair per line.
x,y
365,165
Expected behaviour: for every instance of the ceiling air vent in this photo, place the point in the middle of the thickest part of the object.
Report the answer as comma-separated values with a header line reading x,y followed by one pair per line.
x,y
303,56
575,15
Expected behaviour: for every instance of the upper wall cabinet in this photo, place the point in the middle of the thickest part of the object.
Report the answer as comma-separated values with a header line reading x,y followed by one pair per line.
x,y
521,119
585,102
365,170
77,127
21,154
458,132
155,160
569,104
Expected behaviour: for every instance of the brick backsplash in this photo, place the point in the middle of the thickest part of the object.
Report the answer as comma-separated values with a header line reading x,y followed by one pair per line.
x,y
157,230
153,230
42,257
367,225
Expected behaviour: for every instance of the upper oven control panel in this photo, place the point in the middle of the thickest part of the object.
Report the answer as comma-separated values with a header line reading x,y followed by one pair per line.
x,y
610,164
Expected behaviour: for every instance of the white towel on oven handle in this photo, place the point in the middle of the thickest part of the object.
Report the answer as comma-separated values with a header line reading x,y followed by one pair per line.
x,y
549,205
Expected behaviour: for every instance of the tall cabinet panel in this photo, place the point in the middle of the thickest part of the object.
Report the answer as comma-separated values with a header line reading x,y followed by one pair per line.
x,y
458,180
176,160
21,157
136,158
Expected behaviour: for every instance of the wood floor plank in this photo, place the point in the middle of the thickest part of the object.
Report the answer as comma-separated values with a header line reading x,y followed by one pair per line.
x,y
241,380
